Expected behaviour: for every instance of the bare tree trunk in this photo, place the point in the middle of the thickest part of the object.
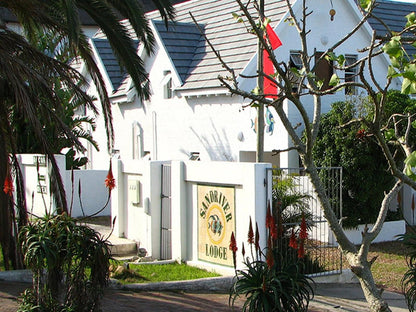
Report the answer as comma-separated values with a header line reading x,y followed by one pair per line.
x,y
362,270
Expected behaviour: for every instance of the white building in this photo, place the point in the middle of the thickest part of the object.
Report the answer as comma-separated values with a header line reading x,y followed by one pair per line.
x,y
190,115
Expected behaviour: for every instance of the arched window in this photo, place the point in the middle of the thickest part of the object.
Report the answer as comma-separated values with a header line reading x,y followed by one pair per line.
x,y
137,140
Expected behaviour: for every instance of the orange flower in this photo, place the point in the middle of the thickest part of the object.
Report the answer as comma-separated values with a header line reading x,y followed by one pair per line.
x,y
293,243
8,185
110,182
303,234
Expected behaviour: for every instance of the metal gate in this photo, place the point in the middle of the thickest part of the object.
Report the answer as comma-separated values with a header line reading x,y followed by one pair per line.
x,y
321,248
166,214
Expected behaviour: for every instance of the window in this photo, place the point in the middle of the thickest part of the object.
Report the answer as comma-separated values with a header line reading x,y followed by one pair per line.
x,y
295,62
350,73
137,140
167,84
323,70
194,156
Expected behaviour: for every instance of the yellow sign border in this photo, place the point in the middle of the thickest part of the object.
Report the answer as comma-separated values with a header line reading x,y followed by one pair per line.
x,y
217,204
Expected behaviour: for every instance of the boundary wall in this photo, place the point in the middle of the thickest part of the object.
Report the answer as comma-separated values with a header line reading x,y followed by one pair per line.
x,y
36,175
137,204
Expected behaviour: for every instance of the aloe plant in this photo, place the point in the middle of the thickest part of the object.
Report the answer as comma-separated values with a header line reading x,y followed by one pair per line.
x,y
268,283
69,263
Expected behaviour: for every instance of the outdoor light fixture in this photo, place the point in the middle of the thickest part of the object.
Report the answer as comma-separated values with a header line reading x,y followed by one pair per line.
x,y
332,12
194,156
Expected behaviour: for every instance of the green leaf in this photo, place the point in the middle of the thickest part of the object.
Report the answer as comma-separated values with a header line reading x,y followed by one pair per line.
x,y
341,60
295,71
410,163
411,19
391,72
389,134
334,80
365,4
395,62
406,86
393,48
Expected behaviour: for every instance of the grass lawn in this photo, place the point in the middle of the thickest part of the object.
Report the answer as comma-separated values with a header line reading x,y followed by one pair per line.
x,y
390,266
151,273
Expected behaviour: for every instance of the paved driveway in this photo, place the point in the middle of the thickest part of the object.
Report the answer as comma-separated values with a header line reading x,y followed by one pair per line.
x,y
129,301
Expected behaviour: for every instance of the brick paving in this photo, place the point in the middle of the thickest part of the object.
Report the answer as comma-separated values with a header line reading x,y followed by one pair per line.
x,y
129,301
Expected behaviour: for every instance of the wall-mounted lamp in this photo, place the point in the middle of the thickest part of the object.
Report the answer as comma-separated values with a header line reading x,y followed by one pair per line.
x,y
194,156
332,13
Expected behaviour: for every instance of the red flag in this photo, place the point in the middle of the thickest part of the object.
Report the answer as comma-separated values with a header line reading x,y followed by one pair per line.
x,y
268,86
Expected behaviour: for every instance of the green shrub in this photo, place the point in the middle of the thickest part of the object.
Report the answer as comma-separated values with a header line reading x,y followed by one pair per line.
x,y
69,263
349,145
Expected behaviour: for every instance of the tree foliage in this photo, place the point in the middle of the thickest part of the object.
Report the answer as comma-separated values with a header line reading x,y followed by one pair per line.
x,y
26,93
349,146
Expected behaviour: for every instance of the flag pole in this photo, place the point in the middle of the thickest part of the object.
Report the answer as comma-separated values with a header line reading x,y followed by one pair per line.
x,y
260,85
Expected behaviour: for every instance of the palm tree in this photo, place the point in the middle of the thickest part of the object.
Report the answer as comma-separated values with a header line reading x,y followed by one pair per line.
x,y
26,72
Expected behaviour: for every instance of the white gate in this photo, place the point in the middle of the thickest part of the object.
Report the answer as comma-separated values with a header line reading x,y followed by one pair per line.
x,y
166,214
325,258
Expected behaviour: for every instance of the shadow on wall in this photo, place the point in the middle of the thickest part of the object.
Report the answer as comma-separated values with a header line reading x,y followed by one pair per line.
x,y
216,145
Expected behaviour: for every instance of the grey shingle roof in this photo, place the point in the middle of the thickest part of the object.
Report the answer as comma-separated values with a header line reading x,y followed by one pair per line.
x,y
392,13
230,38
180,41
114,71
196,63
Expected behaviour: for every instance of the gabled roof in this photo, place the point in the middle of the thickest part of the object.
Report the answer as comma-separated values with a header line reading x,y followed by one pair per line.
x,y
181,41
230,38
114,71
196,63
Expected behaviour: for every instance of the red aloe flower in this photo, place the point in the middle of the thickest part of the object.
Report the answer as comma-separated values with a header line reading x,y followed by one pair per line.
x,y
110,182
361,134
233,244
273,230
269,217
257,238
301,250
293,243
233,248
243,250
8,185
269,258
303,234
250,233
